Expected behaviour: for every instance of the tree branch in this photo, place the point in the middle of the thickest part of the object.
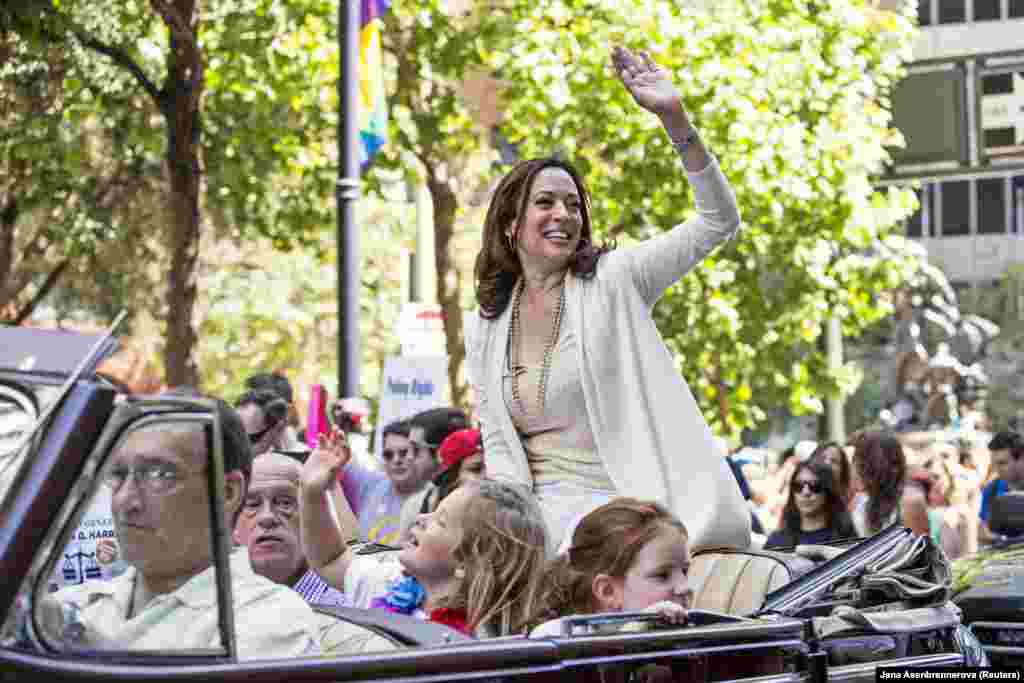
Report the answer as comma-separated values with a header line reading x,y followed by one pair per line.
x,y
115,54
121,58
51,280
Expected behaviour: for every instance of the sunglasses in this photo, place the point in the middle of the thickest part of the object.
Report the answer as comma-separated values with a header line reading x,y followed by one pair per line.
x,y
256,436
298,456
812,486
390,454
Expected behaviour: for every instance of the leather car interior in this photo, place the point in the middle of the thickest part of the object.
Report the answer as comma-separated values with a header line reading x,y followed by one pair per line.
x,y
737,581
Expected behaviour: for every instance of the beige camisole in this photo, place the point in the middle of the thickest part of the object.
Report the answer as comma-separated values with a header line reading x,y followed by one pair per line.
x,y
559,444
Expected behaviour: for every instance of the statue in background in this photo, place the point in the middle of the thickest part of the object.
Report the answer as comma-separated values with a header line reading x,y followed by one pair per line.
x,y
934,389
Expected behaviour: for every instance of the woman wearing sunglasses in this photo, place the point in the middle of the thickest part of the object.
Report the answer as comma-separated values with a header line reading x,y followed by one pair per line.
x,y
815,513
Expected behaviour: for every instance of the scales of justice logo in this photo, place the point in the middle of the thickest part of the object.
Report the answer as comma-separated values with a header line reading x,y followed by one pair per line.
x,y
80,567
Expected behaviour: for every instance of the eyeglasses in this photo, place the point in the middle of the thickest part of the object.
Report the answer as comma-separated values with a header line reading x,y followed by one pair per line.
x,y
281,506
392,453
152,477
811,486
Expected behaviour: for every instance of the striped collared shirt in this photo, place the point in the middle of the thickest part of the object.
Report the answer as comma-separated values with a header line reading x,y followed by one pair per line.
x,y
315,591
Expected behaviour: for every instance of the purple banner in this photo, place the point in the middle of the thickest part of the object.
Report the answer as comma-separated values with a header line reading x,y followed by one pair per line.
x,y
372,9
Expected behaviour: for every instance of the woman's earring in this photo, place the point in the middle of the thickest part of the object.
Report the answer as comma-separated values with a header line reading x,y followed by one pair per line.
x,y
460,573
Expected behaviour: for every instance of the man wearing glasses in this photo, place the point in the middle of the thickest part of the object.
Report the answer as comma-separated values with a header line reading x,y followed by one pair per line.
x,y
167,599
410,462
269,527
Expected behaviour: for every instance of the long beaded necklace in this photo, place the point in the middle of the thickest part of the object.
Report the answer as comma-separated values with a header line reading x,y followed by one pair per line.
x,y
545,370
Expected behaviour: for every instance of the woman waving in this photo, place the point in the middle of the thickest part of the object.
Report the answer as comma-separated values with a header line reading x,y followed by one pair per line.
x,y
577,394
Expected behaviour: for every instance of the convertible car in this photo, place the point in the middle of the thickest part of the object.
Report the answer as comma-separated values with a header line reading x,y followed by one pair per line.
x,y
816,614
990,585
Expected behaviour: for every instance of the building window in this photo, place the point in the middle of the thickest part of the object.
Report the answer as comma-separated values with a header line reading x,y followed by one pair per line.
x,y
928,107
952,11
986,10
992,85
1016,8
992,206
1017,190
924,12
956,208
997,84
916,222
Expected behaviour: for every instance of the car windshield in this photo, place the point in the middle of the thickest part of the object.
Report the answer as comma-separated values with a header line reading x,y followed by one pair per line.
x,y
20,406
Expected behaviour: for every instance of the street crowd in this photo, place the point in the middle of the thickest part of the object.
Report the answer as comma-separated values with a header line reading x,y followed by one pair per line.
x,y
419,528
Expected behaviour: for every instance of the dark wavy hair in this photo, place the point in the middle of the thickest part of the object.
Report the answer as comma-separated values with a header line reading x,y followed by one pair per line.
x,y
273,405
497,265
843,485
882,468
838,518
1008,441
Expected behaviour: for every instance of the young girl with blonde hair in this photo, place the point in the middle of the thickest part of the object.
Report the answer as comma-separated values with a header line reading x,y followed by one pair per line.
x,y
626,555
471,564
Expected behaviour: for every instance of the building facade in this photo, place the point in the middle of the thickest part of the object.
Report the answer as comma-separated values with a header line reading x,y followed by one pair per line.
x,y
961,110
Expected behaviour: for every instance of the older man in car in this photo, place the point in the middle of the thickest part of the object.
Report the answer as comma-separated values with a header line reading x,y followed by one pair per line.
x,y
167,599
269,528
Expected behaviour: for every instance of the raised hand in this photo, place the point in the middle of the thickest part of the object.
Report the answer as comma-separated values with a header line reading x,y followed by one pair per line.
x,y
648,83
106,551
330,455
670,612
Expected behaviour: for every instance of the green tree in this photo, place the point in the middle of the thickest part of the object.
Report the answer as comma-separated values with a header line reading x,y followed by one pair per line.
x,y
69,185
436,136
226,96
278,311
793,97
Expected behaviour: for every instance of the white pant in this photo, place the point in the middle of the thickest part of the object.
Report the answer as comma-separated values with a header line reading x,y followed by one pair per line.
x,y
564,505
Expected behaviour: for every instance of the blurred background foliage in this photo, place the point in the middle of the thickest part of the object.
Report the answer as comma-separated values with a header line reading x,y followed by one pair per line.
x,y
792,96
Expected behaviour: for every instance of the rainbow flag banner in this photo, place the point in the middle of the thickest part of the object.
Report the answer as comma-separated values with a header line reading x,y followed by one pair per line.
x,y
373,107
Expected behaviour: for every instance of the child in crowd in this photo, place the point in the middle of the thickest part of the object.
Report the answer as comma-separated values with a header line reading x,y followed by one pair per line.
x,y
626,555
471,564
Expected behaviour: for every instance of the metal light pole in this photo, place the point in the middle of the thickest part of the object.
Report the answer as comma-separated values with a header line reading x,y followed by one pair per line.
x,y
835,404
347,193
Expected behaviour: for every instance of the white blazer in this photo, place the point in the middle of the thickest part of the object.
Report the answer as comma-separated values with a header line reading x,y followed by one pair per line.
x,y
649,432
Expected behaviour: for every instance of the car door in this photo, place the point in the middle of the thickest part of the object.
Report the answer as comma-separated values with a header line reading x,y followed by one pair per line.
x,y
153,493
78,508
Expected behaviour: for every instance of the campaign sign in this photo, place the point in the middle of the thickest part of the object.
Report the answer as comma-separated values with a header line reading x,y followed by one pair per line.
x,y
92,551
410,384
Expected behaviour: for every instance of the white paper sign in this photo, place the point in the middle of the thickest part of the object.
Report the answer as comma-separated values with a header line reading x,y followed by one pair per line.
x,y
420,329
411,384
92,551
